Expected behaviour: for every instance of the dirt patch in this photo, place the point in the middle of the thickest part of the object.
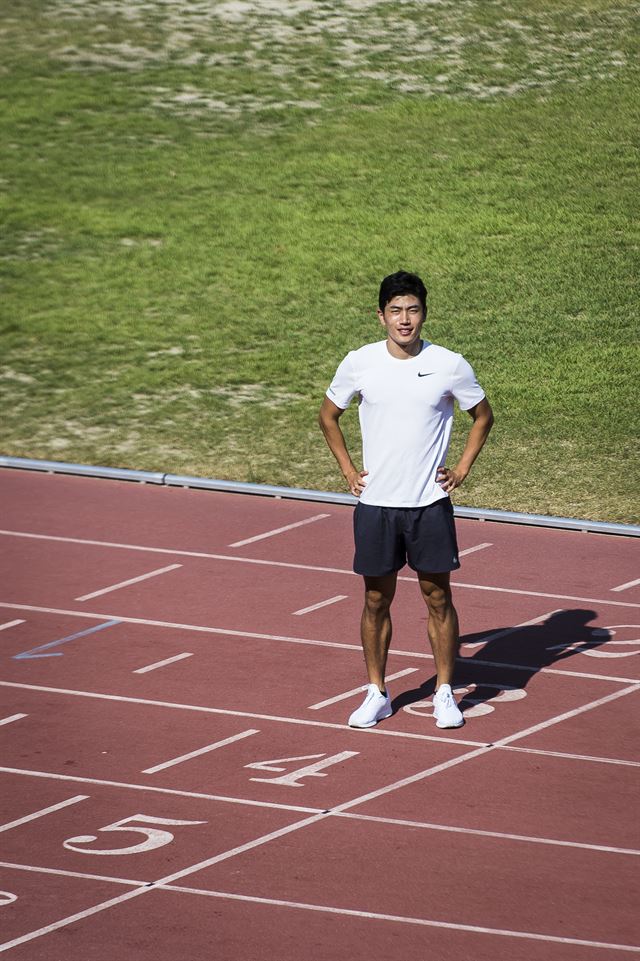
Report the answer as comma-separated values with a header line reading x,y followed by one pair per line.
x,y
278,54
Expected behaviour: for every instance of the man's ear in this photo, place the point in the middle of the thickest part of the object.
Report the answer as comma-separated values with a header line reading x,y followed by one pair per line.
x,y
381,317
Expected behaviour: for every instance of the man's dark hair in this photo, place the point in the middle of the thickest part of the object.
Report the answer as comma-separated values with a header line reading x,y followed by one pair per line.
x,y
395,285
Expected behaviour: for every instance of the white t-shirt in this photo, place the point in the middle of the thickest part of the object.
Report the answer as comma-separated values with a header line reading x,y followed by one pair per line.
x,y
406,414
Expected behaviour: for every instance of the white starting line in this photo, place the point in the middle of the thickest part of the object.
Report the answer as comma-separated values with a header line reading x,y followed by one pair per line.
x,y
12,718
358,690
132,580
287,565
624,587
167,660
200,751
472,550
40,814
279,530
316,607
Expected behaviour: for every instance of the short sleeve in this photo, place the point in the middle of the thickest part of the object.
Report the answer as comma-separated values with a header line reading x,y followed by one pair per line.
x,y
465,387
343,386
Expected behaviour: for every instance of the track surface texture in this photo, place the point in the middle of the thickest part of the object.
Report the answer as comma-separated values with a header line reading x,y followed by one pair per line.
x,y
179,782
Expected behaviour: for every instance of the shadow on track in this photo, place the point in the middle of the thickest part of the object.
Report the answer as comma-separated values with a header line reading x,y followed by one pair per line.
x,y
507,658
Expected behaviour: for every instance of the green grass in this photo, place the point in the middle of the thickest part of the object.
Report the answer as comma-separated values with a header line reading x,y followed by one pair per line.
x,y
198,208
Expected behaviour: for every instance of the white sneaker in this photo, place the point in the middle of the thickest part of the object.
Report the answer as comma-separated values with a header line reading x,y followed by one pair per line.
x,y
374,708
445,710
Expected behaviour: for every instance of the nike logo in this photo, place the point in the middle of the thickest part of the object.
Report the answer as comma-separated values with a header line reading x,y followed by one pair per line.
x,y
428,374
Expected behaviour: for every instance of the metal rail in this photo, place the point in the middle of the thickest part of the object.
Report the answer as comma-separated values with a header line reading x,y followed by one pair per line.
x,y
292,493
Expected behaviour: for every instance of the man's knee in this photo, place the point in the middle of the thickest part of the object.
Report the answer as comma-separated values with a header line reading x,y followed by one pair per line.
x,y
376,602
438,598
378,594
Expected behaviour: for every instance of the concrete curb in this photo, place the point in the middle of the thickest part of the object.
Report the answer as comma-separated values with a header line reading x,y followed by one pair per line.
x,y
292,493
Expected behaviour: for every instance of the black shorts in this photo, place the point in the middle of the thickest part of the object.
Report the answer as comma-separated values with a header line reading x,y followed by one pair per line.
x,y
387,538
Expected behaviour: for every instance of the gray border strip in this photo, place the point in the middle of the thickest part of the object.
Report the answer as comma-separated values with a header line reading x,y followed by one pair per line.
x,y
325,497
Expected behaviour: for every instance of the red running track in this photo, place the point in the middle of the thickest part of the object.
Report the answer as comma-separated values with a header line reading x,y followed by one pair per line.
x,y
179,780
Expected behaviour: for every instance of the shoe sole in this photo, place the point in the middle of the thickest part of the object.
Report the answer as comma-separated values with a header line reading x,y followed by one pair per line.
x,y
382,717
444,727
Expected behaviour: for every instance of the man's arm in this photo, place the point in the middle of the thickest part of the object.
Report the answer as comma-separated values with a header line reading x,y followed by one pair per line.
x,y
330,414
482,416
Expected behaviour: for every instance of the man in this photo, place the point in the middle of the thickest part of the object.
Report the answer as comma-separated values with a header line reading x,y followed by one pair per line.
x,y
406,388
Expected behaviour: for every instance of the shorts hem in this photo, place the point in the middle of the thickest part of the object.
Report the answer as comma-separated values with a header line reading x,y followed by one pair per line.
x,y
394,570
434,570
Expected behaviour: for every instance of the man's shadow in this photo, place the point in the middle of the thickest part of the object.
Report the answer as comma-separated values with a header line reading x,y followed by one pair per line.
x,y
507,658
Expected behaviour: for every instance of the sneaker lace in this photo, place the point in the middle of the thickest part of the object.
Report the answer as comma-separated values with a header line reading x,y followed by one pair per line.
x,y
446,699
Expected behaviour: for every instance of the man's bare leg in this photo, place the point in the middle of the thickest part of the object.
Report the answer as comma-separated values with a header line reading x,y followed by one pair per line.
x,y
375,625
443,629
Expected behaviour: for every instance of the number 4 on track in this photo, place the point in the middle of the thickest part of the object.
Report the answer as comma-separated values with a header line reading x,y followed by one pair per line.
x,y
293,778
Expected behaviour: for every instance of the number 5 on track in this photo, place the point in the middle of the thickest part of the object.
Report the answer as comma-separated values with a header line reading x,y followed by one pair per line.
x,y
154,838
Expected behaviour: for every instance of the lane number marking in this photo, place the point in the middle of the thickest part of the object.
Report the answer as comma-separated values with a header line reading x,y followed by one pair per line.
x,y
155,838
293,778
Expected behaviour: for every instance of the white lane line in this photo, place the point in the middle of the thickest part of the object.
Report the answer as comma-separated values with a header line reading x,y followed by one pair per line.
x,y
303,722
572,757
511,630
567,715
402,919
76,779
252,635
533,669
323,909
199,751
4,627
521,593
242,848
43,812
276,834
500,835
314,819
472,550
14,717
157,664
147,622
47,929
470,755
358,690
279,530
316,607
36,869
413,778
299,567
132,580
623,587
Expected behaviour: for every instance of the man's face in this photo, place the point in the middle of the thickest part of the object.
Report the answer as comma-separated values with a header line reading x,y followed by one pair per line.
x,y
402,318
